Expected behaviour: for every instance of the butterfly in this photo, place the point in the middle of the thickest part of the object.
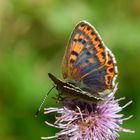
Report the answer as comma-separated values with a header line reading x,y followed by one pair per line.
x,y
88,66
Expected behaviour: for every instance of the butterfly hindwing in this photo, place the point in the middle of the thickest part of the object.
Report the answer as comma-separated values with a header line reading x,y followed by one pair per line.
x,y
102,79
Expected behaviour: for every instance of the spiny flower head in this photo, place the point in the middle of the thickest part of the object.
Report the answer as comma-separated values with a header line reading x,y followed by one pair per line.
x,y
80,120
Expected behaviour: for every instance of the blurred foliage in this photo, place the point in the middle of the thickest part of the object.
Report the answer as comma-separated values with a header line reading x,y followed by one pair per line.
x,y
33,36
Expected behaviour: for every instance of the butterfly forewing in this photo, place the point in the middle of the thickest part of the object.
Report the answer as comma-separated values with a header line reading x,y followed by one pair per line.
x,y
85,52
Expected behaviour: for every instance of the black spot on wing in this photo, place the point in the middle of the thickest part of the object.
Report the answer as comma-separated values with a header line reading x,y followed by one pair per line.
x,y
103,54
84,34
82,41
111,69
92,33
109,78
74,53
72,61
74,40
109,62
88,28
96,39
88,53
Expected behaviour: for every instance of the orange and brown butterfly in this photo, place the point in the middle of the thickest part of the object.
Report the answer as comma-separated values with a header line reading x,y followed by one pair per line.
x,y
88,67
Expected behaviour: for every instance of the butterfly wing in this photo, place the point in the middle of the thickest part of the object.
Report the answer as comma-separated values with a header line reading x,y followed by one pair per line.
x,y
85,59
102,80
85,49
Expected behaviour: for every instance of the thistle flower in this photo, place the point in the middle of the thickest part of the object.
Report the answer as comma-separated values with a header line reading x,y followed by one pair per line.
x,y
79,120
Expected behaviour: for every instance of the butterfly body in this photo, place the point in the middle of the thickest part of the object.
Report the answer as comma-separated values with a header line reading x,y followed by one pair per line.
x,y
88,65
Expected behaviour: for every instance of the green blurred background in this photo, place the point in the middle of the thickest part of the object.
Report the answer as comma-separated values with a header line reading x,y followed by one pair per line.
x,y
33,37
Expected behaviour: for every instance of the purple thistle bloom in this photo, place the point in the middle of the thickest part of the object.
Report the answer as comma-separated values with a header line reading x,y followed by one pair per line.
x,y
80,120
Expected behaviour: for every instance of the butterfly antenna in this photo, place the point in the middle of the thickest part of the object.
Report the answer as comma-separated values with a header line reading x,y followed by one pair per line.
x,y
43,101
